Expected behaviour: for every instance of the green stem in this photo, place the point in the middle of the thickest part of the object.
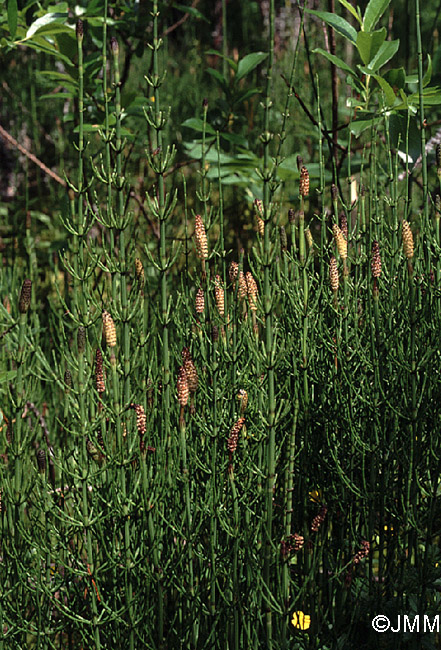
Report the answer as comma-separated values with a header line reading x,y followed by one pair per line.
x,y
421,113
268,315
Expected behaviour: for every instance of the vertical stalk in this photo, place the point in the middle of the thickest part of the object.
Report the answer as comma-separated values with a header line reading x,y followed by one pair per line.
x,y
164,319
304,335
214,491
288,514
267,301
421,115
188,517
322,184
224,40
126,326
85,478
161,207
78,218
235,567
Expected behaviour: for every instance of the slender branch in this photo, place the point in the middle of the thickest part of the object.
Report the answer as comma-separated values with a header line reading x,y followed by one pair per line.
x,y
311,117
31,156
332,47
180,21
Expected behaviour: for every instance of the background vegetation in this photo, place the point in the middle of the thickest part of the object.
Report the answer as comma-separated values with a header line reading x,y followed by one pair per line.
x,y
220,323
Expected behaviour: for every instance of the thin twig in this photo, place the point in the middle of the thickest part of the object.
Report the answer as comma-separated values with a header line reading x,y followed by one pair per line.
x,y
180,21
31,156
310,115
334,82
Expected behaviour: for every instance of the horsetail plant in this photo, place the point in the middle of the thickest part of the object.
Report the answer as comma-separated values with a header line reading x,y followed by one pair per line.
x,y
219,449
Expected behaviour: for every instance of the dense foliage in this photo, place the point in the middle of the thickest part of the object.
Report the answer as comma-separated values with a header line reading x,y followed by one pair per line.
x,y
220,324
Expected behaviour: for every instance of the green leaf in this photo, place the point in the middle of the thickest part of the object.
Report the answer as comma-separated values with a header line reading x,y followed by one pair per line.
x,y
218,77
98,21
248,63
95,128
431,97
336,22
334,59
89,128
288,169
127,98
58,76
198,125
399,130
66,43
384,54
387,89
395,77
373,13
368,44
404,98
190,10
248,93
92,8
40,44
231,63
52,96
49,23
428,76
359,126
12,17
412,79
236,139
351,9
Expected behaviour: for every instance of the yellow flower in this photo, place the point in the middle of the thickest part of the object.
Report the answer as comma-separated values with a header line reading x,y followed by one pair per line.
x,y
386,528
315,495
301,621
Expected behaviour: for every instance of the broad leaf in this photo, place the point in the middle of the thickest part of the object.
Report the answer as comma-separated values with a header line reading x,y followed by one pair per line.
x,y
194,150
236,139
351,9
62,77
219,78
428,76
92,8
431,97
231,63
399,132
95,128
368,44
248,63
359,126
288,169
198,125
191,10
387,89
396,77
384,54
49,24
247,94
336,22
97,21
12,17
334,59
67,44
404,99
51,96
373,13
42,45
